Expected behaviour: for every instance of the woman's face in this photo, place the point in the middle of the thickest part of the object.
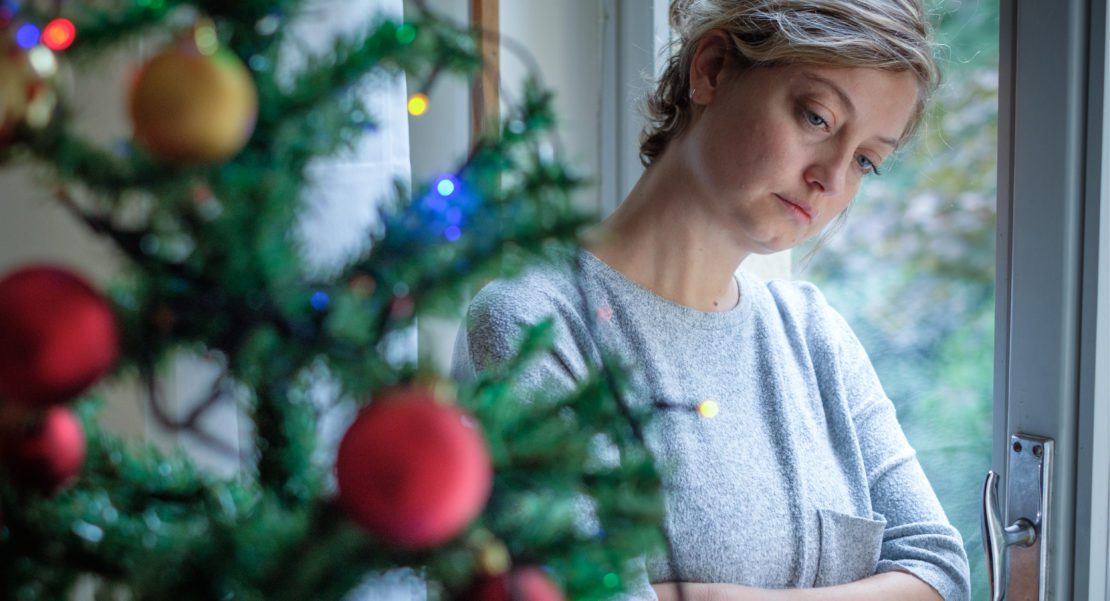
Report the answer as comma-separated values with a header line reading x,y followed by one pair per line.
x,y
777,152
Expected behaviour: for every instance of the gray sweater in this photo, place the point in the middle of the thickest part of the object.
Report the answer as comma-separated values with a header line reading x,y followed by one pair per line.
x,y
804,478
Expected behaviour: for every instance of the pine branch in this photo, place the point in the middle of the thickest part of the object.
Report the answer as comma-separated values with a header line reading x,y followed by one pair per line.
x,y
99,31
383,45
79,161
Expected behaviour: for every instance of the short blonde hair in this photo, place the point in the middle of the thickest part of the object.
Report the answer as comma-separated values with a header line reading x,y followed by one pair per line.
x,y
883,34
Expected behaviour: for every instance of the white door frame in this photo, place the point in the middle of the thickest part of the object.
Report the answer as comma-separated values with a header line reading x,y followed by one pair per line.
x,y
1053,302
634,35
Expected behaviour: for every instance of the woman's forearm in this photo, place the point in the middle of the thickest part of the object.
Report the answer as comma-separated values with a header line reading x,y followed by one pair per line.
x,y
899,586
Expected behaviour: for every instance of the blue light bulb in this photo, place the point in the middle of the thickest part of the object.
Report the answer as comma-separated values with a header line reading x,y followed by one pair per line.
x,y
445,187
27,36
320,300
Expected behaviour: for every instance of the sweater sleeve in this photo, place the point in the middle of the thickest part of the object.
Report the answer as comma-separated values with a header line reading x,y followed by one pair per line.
x,y
492,332
918,538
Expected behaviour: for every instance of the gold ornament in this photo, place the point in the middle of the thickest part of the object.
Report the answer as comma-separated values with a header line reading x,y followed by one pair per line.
x,y
27,96
193,103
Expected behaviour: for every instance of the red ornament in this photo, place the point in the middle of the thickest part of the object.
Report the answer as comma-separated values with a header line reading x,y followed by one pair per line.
x,y
48,457
527,583
57,336
412,470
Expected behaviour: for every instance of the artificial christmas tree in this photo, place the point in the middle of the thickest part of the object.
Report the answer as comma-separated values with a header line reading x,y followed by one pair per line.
x,y
469,487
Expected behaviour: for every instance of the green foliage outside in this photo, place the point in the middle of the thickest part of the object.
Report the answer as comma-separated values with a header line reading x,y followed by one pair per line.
x,y
912,270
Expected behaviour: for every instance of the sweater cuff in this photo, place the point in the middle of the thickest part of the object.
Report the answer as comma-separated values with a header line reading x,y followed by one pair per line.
x,y
949,588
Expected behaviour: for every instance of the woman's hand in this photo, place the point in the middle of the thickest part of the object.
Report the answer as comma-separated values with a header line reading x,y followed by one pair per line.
x,y
902,586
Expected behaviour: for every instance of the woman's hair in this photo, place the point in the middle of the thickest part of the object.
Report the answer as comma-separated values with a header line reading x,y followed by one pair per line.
x,y
881,34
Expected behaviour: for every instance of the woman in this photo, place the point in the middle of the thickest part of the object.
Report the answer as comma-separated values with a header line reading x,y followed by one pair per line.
x,y
767,119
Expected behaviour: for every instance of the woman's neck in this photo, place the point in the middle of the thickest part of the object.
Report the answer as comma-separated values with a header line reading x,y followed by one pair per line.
x,y
666,239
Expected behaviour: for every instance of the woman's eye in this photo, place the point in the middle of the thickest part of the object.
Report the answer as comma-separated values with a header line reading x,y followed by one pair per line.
x,y
816,120
867,166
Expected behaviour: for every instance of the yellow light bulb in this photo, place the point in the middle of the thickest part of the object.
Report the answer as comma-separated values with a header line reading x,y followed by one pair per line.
x,y
418,104
709,408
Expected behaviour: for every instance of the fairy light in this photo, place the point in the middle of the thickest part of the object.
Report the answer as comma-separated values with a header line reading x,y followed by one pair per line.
x,y
205,37
406,34
494,558
709,408
27,36
445,187
418,104
59,34
320,300
42,61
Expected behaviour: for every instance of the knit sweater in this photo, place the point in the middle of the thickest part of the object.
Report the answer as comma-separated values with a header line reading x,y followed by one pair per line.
x,y
803,479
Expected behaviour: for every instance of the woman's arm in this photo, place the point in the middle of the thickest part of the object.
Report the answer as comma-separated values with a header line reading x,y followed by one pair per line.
x,y
898,586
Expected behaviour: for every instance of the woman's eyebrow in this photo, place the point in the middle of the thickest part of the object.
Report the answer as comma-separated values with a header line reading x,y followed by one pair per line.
x,y
844,99
839,91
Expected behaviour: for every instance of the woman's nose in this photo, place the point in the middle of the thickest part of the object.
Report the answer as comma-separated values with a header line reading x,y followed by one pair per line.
x,y
827,175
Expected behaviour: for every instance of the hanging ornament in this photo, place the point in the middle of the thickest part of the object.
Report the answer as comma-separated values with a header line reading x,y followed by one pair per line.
x,y
47,457
195,102
412,470
57,336
526,583
27,96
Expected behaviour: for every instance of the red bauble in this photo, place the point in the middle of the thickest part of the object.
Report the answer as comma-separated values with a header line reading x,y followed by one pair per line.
x,y
48,457
527,583
57,336
413,471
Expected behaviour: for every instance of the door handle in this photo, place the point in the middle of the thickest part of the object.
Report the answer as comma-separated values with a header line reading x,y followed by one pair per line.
x,y
1028,486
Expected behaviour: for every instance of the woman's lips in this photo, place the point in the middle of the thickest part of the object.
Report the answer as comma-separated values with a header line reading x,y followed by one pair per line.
x,y
800,210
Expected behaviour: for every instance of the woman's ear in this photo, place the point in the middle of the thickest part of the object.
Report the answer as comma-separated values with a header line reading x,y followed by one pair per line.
x,y
707,66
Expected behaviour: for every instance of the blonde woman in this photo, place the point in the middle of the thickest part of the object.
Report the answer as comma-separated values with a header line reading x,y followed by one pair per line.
x,y
769,116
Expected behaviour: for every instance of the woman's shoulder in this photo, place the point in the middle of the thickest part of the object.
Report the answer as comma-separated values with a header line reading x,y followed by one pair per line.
x,y
535,293
498,315
794,298
802,307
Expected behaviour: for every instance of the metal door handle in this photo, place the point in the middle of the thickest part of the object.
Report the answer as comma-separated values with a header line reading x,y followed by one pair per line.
x,y
996,538
1017,555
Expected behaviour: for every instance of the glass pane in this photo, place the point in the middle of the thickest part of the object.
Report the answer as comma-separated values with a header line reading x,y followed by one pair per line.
x,y
912,269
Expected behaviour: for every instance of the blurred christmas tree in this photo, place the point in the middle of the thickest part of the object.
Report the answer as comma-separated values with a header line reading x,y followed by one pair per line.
x,y
464,483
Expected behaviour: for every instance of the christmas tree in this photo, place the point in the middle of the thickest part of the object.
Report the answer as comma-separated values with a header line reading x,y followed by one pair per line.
x,y
483,493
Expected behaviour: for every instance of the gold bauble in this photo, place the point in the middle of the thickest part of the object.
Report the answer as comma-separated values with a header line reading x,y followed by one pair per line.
x,y
193,107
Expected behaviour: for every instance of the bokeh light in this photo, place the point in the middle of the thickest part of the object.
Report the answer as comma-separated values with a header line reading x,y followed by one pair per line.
x,y
27,36
709,408
418,104
445,187
320,300
406,34
59,34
